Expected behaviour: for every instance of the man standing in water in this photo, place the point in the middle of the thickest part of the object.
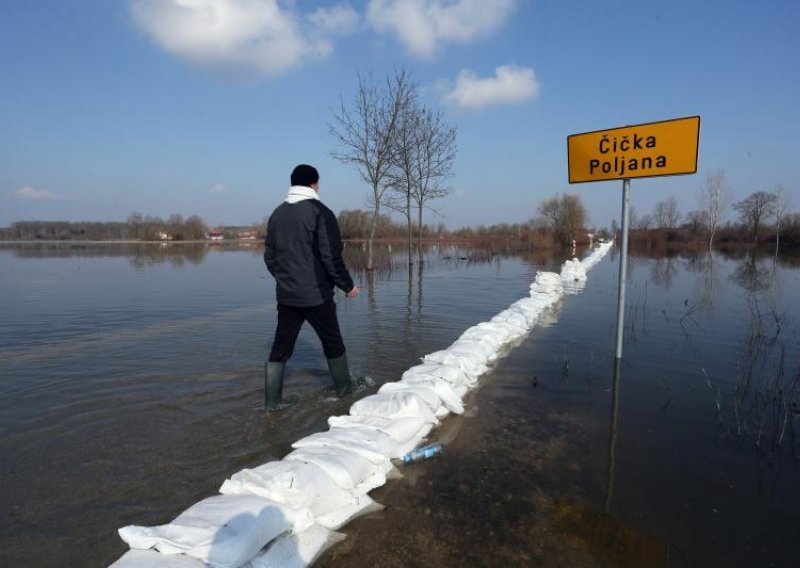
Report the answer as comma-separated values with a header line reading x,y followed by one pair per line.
x,y
304,254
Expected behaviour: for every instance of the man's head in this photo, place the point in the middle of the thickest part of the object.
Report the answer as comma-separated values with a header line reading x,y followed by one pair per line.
x,y
305,175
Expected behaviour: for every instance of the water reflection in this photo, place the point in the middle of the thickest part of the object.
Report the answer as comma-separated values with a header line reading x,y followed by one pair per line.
x,y
751,274
663,271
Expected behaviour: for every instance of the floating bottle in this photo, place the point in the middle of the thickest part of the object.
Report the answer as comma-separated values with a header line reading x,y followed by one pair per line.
x,y
423,453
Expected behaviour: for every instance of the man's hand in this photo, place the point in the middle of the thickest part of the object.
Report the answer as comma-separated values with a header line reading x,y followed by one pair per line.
x,y
353,293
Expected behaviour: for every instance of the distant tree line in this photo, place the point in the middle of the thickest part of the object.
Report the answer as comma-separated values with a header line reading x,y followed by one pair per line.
x,y
137,227
763,217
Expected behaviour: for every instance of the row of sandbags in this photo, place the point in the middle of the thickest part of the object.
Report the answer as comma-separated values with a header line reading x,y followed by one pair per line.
x,y
285,513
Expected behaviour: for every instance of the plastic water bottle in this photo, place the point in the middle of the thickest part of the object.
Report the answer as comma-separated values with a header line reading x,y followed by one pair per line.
x,y
423,453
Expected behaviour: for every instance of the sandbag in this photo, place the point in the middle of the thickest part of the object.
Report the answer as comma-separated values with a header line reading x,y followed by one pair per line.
x,y
405,431
373,444
393,405
339,518
486,351
572,270
441,390
470,364
295,484
297,550
512,317
224,531
451,374
348,469
546,283
154,559
485,336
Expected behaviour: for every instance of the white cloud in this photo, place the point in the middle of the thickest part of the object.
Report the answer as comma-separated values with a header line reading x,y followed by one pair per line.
x,y
33,193
421,25
337,20
218,188
511,84
240,36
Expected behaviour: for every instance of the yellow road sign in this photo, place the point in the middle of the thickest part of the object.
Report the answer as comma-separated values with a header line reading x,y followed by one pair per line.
x,y
665,148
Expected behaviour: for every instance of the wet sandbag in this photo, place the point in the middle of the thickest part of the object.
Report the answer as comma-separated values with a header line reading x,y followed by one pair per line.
x,y
528,308
473,365
295,484
513,318
451,374
546,283
393,405
499,331
224,531
444,393
348,469
297,550
373,444
482,348
597,255
154,559
490,338
573,270
405,431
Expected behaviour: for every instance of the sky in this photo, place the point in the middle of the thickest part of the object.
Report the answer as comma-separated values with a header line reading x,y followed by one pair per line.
x,y
205,106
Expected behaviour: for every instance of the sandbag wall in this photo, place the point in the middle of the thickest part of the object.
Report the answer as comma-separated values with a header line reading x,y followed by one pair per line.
x,y
285,513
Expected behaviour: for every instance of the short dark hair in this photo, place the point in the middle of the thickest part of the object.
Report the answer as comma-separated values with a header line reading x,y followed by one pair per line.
x,y
305,175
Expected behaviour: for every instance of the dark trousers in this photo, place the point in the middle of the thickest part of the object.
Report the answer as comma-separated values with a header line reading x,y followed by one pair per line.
x,y
322,318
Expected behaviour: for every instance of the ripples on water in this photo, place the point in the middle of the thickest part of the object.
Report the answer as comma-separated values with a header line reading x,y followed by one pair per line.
x,y
131,383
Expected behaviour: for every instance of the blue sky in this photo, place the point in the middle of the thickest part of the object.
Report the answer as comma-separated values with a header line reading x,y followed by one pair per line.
x,y
204,106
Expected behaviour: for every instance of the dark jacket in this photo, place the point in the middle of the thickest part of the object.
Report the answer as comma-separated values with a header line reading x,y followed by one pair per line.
x,y
304,254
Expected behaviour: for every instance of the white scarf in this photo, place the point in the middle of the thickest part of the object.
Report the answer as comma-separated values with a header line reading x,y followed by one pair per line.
x,y
299,193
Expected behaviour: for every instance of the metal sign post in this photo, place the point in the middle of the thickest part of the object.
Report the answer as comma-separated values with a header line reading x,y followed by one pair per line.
x,y
623,264
653,149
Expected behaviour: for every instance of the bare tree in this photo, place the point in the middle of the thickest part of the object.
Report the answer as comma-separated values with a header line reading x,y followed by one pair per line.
x,y
697,221
565,215
755,209
423,160
365,133
714,198
666,213
434,156
781,209
644,223
403,172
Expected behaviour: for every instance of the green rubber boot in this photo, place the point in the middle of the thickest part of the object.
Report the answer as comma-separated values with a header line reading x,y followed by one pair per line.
x,y
341,375
273,385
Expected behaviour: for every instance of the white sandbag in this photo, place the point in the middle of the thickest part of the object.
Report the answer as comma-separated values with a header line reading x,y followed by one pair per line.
x,y
512,317
348,469
224,531
572,270
425,392
451,374
401,429
370,443
498,330
474,346
393,405
339,518
596,256
547,283
295,484
471,365
529,308
154,559
441,390
475,333
405,431
297,550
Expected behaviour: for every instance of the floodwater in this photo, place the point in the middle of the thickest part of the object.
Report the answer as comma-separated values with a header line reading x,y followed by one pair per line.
x,y
131,385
